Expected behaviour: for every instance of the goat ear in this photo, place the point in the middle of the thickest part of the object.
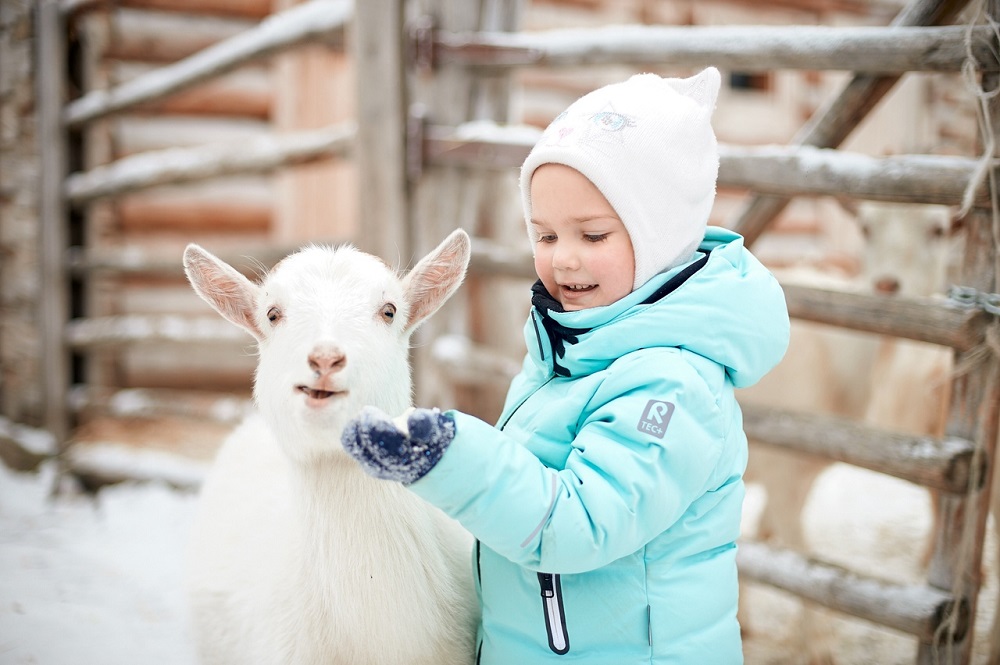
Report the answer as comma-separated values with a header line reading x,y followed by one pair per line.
x,y
436,277
220,285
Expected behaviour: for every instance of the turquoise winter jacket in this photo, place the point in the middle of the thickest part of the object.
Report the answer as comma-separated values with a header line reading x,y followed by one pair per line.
x,y
607,501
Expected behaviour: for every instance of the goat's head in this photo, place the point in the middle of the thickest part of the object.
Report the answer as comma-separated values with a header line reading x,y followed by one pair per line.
x,y
907,247
332,327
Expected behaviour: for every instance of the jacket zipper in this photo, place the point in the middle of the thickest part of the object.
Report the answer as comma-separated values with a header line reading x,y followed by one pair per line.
x,y
555,619
510,415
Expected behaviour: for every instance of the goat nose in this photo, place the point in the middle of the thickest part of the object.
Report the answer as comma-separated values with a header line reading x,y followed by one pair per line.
x,y
327,360
887,285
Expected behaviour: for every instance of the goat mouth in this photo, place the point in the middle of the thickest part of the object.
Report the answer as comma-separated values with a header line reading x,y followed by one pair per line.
x,y
319,395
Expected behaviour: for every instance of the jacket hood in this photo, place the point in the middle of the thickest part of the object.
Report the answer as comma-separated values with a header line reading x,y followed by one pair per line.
x,y
723,305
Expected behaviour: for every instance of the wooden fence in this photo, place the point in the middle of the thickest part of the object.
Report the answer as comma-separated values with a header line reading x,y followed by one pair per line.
x,y
429,162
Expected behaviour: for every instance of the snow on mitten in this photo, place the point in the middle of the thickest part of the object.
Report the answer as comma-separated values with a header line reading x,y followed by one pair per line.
x,y
393,450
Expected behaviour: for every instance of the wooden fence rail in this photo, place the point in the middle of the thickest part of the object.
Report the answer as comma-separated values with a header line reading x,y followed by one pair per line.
x,y
943,464
775,169
178,165
315,21
780,170
914,609
872,50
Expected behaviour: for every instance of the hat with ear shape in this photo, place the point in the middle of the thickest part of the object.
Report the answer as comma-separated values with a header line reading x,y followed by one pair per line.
x,y
647,144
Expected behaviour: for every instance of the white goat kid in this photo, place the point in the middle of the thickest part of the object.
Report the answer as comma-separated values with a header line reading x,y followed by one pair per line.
x,y
297,556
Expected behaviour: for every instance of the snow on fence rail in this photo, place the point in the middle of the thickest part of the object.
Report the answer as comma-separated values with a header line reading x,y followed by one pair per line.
x,y
744,48
178,165
224,408
781,170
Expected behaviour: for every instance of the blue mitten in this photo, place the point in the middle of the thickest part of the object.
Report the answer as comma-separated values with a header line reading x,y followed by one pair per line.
x,y
392,452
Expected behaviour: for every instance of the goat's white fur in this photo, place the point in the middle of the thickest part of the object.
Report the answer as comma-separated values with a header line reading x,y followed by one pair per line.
x,y
297,556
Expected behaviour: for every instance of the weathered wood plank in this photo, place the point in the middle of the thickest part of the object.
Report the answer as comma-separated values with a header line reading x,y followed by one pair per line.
x,y
825,172
920,319
176,165
959,534
781,170
744,48
314,21
916,610
382,103
53,309
941,464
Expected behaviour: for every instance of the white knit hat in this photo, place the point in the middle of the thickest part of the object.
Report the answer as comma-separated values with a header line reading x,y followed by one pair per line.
x,y
647,144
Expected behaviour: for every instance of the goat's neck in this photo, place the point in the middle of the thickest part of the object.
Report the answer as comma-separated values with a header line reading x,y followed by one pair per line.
x,y
344,511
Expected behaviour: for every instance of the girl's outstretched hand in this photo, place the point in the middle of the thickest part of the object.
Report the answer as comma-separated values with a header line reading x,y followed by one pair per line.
x,y
402,449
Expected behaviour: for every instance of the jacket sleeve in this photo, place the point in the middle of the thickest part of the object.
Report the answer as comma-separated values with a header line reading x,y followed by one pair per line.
x,y
620,486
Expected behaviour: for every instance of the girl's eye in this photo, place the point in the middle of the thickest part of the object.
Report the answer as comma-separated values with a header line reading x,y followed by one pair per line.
x,y
596,238
273,314
547,237
388,312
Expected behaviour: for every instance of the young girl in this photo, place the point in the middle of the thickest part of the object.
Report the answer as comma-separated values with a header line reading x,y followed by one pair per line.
x,y
606,502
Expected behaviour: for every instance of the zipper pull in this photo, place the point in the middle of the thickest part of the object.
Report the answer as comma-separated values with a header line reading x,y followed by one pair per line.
x,y
555,619
545,582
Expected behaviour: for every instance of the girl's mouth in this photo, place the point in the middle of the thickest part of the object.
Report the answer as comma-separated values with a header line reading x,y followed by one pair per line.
x,y
579,288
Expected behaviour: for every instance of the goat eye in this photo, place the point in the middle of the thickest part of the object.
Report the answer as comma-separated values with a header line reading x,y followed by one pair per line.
x,y
273,314
388,312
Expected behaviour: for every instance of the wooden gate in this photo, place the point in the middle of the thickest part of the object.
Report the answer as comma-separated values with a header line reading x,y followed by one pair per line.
x,y
434,148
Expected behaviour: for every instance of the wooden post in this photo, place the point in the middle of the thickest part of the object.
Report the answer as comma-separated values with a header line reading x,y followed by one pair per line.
x,y
313,90
483,203
959,534
52,148
380,156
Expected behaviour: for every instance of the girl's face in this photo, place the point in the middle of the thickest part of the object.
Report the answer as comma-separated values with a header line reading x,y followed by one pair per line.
x,y
584,254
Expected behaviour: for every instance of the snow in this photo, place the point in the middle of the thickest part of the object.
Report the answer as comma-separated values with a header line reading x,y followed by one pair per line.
x,y
34,441
100,579
92,580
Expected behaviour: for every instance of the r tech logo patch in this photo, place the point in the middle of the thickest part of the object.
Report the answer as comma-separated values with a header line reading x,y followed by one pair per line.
x,y
656,417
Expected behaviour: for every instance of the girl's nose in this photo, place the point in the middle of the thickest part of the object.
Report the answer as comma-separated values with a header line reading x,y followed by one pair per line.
x,y
565,257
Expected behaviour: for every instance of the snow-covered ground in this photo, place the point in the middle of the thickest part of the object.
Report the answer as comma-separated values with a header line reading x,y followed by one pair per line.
x,y
87,581
99,581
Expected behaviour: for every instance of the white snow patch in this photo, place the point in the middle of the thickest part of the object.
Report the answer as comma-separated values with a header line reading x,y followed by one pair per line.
x,y
92,580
